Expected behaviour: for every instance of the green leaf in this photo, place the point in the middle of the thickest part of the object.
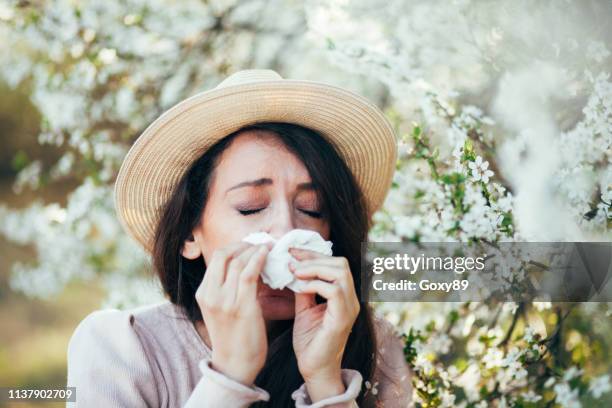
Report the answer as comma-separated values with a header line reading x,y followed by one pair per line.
x,y
453,178
20,161
416,132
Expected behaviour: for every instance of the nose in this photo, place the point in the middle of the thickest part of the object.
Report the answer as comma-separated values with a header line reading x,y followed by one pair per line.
x,y
282,220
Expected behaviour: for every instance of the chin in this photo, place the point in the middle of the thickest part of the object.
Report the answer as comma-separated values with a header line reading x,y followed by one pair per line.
x,y
277,305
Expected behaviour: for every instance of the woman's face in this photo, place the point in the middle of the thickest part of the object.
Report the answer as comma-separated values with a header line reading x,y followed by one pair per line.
x,y
259,185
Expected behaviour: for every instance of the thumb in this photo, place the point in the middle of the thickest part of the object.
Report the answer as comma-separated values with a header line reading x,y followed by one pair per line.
x,y
304,301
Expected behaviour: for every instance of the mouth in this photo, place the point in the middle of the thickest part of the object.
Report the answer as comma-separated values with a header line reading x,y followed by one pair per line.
x,y
266,291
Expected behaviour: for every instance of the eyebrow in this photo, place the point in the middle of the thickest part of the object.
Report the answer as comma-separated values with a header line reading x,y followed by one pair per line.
x,y
266,181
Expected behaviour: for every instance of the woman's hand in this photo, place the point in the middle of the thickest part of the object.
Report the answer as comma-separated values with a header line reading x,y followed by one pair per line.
x,y
227,298
320,331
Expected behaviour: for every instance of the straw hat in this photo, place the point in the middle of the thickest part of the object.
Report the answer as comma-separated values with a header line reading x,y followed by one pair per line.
x,y
164,152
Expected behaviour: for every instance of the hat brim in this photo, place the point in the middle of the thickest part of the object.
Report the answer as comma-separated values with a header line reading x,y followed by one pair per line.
x,y
166,149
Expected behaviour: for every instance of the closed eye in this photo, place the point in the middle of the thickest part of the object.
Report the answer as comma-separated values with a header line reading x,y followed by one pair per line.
x,y
249,212
312,214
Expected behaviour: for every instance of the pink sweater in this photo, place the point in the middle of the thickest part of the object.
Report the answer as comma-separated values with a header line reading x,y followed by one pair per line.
x,y
152,356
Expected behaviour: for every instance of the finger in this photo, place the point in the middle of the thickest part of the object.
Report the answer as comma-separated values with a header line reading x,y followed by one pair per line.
x,y
235,268
215,272
247,282
327,273
237,263
304,301
341,276
332,269
332,292
335,261
301,254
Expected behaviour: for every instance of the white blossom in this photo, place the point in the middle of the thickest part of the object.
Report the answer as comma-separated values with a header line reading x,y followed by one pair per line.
x,y
600,385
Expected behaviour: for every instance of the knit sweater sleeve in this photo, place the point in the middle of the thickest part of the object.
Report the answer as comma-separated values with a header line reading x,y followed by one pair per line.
x,y
110,367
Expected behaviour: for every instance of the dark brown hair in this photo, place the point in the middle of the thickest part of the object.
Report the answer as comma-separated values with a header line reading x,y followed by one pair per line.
x,y
344,207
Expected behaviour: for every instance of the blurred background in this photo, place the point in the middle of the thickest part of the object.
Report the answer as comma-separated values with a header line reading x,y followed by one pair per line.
x,y
503,111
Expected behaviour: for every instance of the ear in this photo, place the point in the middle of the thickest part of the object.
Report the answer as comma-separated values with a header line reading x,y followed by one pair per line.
x,y
191,248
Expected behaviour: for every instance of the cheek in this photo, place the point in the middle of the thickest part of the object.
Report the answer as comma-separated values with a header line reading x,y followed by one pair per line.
x,y
321,226
217,232
222,227
325,234
304,221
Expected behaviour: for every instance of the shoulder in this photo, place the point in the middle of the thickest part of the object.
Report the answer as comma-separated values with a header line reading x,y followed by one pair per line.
x,y
109,322
99,320
110,359
390,345
392,376
115,334
100,326
384,326
388,338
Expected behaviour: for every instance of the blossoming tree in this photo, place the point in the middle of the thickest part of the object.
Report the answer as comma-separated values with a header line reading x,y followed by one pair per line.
x,y
504,116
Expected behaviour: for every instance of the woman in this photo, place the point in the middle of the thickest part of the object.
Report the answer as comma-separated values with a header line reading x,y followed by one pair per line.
x,y
257,153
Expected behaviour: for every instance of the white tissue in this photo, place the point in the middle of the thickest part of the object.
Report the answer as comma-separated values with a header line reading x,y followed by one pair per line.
x,y
276,273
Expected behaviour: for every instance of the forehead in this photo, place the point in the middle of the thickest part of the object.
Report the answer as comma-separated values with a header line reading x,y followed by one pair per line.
x,y
255,154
